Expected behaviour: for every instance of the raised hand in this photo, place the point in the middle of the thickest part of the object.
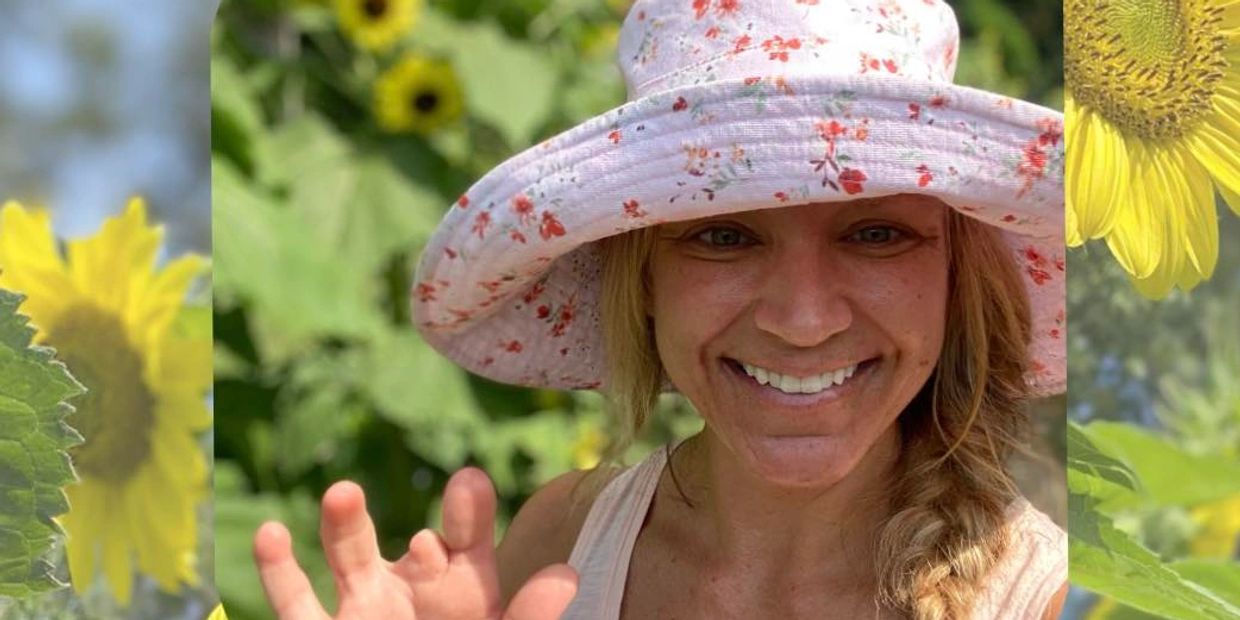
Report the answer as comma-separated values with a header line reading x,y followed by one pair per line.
x,y
453,577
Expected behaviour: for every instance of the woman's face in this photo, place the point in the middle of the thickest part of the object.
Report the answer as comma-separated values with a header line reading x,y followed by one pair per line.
x,y
801,333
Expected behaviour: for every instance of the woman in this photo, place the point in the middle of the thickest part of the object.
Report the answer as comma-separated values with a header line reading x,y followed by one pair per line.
x,y
851,267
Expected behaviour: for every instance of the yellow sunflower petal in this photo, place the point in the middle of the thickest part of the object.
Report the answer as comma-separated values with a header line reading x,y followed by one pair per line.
x,y
1096,170
1216,144
152,309
1072,233
105,266
31,265
1231,198
1199,217
1160,187
117,567
1139,235
169,530
87,501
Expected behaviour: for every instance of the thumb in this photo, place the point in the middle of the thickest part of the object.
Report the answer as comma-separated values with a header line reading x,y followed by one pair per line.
x,y
545,596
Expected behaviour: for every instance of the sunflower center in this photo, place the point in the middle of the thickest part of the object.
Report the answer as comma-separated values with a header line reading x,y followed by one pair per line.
x,y
1148,66
425,102
116,415
375,8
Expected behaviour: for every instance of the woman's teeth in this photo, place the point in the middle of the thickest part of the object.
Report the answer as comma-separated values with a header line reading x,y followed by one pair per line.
x,y
799,385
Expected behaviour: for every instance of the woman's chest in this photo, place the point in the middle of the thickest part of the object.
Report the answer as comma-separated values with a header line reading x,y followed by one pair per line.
x,y
668,582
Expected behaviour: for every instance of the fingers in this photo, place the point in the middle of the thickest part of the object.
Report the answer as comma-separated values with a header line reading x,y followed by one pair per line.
x,y
426,560
288,590
348,534
469,511
545,596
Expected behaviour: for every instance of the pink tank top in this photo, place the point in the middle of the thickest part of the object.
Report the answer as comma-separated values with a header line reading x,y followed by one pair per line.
x,y
1034,569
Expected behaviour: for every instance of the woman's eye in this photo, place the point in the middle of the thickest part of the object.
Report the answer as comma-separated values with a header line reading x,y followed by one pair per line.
x,y
721,237
878,235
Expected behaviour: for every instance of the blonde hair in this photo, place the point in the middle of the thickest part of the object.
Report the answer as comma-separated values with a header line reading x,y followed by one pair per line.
x,y
952,490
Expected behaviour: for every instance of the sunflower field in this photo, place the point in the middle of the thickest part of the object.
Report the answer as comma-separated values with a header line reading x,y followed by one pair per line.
x,y
342,131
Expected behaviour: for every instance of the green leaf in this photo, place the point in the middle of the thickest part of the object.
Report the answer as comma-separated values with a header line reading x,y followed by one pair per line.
x,y
271,257
507,83
236,118
34,463
1222,578
1169,476
1093,473
1110,562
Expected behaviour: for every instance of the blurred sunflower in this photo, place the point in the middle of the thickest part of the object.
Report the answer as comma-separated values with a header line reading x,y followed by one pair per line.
x,y
377,24
110,316
218,613
1153,122
418,94
1219,533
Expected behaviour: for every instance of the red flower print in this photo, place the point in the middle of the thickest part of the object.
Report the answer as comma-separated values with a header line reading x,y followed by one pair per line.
x,y
614,136
513,346
851,179
1031,166
725,8
712,32
938,101
1009,218
524,208
449,252
426,292
463,201
551,227
750,81
861,133
680,104
829,130
481,221
1052,131
564,351
1060,266
914,111
781,196
516,235
890,65
1034,256
544,311
741,44
699,8
1039,276
778,47
488,360
633,209
868,63
925,175
534,292
491,286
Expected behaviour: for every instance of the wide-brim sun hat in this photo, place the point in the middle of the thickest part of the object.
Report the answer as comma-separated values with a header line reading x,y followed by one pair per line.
x,y
736,105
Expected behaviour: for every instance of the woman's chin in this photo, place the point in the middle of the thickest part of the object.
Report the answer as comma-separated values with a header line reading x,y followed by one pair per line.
x,y
817,461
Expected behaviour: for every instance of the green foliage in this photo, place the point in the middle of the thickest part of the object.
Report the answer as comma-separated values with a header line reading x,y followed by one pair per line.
x,y
34,462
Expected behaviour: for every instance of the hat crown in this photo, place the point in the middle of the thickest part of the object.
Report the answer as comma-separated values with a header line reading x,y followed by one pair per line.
x,y
669,43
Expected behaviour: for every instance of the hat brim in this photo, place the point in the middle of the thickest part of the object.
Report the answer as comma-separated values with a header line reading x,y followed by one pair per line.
x,y
508,285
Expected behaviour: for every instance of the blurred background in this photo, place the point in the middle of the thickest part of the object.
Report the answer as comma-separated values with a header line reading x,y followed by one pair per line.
x,y
101,100
342,131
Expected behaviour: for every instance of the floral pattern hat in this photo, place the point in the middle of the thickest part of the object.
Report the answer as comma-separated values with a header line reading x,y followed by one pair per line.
x,y
735,105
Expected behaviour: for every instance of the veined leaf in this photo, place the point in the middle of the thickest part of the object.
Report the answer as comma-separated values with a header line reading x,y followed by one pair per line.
x,y
1169,475
1109,562
1084,457
34,464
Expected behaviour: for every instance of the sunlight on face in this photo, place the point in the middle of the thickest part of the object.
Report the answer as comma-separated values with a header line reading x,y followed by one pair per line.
x,y
801,333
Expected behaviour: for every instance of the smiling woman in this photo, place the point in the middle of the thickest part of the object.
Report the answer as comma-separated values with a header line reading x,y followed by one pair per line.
x,y
850,266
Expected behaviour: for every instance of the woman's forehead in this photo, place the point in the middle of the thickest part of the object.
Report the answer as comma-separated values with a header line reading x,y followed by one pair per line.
x,y
918,207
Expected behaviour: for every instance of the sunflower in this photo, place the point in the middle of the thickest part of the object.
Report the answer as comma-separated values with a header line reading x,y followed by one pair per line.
x,y
377,24
418,94
112,318
218,613
1218,523
1153,123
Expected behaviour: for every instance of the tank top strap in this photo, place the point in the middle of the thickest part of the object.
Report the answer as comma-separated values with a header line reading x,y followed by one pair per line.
x,y
604,546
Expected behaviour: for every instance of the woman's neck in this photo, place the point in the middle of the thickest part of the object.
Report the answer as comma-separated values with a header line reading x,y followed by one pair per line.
x,y
745,520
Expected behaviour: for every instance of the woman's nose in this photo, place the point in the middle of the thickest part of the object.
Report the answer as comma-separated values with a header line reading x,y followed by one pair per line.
x,y
803,300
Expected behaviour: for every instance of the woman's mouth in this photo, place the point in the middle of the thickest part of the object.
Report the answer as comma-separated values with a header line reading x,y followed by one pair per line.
x,y
789,384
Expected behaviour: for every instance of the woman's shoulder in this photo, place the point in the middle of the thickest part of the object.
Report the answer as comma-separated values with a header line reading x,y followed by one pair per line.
x,y
1034,568
546,527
